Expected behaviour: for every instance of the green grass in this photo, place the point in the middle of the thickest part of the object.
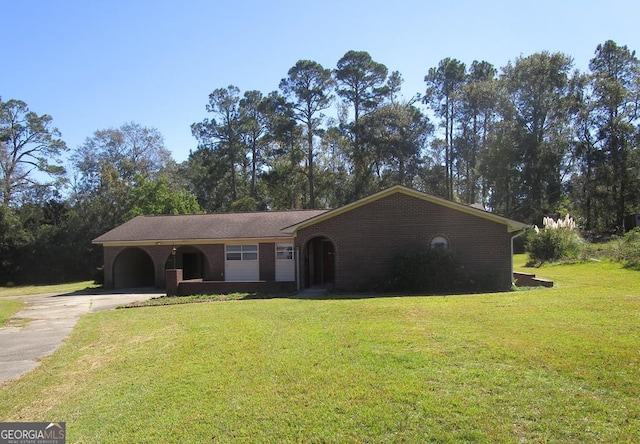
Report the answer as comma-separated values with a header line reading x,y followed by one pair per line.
x,y
546,365
25,290
176,300
7,308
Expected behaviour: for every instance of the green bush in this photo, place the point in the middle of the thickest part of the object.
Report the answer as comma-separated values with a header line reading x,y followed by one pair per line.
x,y
432,271
558,240
553,245
631,249
625,249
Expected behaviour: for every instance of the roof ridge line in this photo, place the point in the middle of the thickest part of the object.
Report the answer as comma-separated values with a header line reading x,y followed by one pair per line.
x,y
236,212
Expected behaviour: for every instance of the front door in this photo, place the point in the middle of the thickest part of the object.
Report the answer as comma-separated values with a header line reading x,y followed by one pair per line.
x,y
321,262
328,262
191,266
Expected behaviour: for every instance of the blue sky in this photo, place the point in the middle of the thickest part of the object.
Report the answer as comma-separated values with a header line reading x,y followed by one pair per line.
x,y
99,64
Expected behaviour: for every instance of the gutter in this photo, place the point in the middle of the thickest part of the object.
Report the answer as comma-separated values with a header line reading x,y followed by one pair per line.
x,y
518,234
298,284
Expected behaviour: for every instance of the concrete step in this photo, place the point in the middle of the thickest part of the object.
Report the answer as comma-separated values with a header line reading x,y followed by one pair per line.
x,y
541,282
530,280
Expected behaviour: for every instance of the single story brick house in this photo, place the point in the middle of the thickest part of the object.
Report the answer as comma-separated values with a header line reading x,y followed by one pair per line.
x,y
291,250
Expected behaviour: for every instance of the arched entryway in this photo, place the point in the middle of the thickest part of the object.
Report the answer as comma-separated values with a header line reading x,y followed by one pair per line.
x,y
191,260
320,261
133,268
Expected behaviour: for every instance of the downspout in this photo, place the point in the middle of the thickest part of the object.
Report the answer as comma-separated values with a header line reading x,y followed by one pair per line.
x,y
520,233
297,253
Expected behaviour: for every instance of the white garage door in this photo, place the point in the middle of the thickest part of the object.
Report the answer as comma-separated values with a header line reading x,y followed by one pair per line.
x,y
242,264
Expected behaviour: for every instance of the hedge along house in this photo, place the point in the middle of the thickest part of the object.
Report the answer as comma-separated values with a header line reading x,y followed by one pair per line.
x,y
346,248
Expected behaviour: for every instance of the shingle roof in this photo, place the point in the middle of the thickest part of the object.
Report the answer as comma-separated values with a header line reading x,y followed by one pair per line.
x,y
206,226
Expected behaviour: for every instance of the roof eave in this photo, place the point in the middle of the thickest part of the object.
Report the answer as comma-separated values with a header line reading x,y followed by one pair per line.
x,y
178,242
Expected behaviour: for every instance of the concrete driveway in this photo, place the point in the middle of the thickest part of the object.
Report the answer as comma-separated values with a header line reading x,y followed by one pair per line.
x,y
51,318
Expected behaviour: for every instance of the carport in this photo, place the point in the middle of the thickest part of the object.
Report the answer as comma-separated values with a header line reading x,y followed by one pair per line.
x,y
133,268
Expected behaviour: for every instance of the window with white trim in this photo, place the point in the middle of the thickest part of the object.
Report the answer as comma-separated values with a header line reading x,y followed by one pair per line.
x,y
284,252
244,252
439,242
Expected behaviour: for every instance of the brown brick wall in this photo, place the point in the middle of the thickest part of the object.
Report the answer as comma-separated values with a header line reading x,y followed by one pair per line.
x,y
158,255
267,256
109,254
215,258
367,238
213,263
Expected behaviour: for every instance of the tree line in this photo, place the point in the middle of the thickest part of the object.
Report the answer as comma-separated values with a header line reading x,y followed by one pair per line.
x,y
535,137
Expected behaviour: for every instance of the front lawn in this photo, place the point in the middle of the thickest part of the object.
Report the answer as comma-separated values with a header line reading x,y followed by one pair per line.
x,y
24,290
545,365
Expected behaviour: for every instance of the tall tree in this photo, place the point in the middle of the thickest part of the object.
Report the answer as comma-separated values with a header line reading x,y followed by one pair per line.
x,y
394,84
478,100
119,173
615,87
284,178
333,183
109,164
253,129
432,177
308,84
501,167
537,102
582,184
222,132
28,145
156,196
443,95
13,238
361,84
207,175
130,150
397,133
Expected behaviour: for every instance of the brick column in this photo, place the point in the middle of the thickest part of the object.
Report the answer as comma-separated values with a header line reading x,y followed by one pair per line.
x,y
172,279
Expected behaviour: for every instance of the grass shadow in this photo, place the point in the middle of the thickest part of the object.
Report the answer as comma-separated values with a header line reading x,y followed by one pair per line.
x,y
99,291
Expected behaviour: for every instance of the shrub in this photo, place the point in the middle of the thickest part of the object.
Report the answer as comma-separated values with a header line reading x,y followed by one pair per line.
x,y
558,239
628,249
436,270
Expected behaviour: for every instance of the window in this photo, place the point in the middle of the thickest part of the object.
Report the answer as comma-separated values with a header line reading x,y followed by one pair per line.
x,y
284,252
242,252
439,242
234,252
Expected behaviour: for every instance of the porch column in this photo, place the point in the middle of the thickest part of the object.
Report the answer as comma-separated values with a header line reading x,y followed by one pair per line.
x,y
172,279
